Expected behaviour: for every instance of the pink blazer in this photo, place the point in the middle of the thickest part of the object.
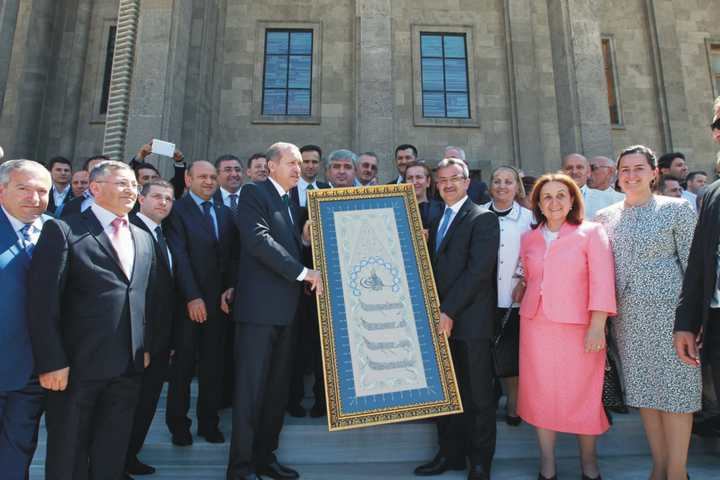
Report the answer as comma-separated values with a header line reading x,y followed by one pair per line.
x,y
576,276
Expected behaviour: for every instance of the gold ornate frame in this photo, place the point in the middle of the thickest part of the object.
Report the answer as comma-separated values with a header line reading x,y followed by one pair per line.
x,y
451,402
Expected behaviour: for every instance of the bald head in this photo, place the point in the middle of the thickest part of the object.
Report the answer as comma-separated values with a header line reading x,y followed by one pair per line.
x,y
577,167
201,179
602,172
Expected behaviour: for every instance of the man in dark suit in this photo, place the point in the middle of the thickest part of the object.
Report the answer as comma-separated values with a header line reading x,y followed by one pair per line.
x,y
203,241
404,154
478,190
230,179
61,191
24,190
90,279
82,203
265,311
464,244
307,354
156,201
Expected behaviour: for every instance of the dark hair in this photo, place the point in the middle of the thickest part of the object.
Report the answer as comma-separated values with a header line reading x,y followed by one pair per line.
x,y
406,146
311,148
226,157
642,150
577,211
370,154
662,181
62,160
156,183
692,175
715,125
666,160
94,157
144,166
253,157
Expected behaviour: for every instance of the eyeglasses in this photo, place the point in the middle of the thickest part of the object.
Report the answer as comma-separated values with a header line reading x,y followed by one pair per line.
x,y
122,185
449,180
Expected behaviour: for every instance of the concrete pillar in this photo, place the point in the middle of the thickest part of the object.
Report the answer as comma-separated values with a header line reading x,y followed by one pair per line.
x,y
580,85
8,20
157,93
374,126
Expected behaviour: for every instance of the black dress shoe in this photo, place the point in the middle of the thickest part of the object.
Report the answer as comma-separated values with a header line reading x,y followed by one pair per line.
x,y
477,473
136,467
585,477
318,410
182,438
439,465
296,411
212,436
513,420
540,477
278,471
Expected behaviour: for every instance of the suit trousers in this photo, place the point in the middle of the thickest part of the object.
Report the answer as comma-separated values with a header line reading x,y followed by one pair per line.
x,y
152,383
308,354
88,428
263,356
206,343
711,347
471,434
20,412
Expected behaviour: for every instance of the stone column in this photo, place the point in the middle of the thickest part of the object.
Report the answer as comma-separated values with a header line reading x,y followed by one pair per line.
x,y
374,127
580,85
8,20
157,93
673,119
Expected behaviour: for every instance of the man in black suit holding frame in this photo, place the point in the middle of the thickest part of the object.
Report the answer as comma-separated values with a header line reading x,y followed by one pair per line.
x,y
463,245
264,312
90,277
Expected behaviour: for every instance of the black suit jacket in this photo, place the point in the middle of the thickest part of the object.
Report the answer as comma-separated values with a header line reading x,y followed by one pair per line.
x,y
271,257
162,309
430,211
204,266
478,192
295,195
72,207
51,202
464,268
700,279
80,301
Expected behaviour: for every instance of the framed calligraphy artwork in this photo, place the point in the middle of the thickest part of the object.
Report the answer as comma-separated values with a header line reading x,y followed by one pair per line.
x,y
383,356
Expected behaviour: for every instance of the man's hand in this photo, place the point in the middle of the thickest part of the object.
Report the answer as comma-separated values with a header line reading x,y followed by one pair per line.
x,y
197,311
226,300
426,234
144,151
446,324
687,348
178,156
146,359
57,381
314,280
306,232
519,291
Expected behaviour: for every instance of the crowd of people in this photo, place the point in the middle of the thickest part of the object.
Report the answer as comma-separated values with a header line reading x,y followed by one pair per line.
x,y
116,281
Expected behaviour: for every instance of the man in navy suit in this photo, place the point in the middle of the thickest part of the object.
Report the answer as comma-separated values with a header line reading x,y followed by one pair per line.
x,y
61,191
203,241
24,192
88,312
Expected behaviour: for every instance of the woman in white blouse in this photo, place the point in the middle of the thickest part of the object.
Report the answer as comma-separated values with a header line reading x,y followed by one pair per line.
x,y
506,188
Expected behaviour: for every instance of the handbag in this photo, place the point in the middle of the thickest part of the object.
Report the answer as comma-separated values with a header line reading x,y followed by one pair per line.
x,y
505,350
612,394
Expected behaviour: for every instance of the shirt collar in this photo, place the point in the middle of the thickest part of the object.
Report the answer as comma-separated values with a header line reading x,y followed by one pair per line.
x,y
148,221
63,191
104,216
225,193
303,184
17,225
199,201
514,214
458,205
277,186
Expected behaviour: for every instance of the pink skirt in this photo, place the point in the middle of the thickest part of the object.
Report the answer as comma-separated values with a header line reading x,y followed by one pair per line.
x,y
560,386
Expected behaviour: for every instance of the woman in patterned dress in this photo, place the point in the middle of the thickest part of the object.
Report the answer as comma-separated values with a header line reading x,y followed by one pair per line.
x,y
650,237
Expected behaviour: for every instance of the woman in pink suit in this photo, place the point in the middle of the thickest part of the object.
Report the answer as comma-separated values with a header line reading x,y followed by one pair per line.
x,y
569,291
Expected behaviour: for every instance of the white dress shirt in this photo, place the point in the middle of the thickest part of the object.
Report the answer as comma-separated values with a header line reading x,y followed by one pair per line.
x,y
226,196
455,209
59,196
302,190
17,225
88,201
152,226
281,191
512,227
106,217
691,198
596,200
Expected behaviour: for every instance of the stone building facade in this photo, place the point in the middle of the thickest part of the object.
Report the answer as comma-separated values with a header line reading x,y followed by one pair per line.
x,y
542,77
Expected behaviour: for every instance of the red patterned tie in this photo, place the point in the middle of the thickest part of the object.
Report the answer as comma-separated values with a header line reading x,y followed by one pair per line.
x,y
123,243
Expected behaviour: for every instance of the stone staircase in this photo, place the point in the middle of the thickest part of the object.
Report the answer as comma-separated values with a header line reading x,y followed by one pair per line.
x,y
392,451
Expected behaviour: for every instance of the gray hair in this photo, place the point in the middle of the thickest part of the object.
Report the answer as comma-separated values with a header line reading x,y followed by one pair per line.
x,y
107,167
2,153
23,165
460,151
276,150
449,162
343,154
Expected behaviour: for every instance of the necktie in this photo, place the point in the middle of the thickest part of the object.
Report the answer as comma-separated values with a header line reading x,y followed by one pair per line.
x,y
123,244
286,202
207,208
233,200
162,244
442,230
28,245
310,186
